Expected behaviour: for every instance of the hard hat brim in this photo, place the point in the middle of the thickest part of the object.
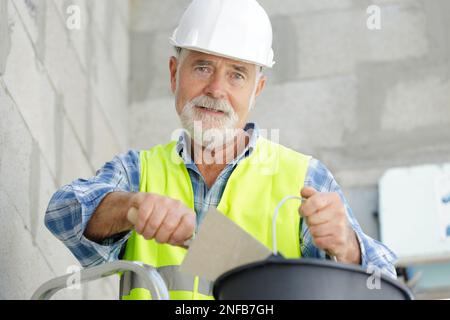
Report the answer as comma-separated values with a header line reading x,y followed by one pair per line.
x,y
203,50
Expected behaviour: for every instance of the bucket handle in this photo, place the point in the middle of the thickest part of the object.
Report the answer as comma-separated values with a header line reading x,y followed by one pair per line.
x,y
274,224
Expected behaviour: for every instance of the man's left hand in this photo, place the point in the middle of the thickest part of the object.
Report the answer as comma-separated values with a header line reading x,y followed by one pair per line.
x,y
326,217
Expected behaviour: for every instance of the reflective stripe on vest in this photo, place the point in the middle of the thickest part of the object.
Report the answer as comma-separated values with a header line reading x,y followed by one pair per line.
x,y
252,192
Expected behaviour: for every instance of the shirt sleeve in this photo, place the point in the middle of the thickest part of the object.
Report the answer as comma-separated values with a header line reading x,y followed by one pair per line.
x,y
72,206
374,254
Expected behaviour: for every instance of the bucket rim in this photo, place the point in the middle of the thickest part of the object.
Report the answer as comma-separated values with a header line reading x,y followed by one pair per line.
x,y
277,260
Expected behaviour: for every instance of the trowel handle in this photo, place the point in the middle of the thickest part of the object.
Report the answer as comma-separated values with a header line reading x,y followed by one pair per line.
x,y
132,215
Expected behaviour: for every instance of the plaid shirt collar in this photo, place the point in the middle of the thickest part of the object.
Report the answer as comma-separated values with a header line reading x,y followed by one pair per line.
x,y
184,146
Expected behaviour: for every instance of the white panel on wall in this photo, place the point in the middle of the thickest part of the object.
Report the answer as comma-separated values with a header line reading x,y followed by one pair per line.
x,y
415,212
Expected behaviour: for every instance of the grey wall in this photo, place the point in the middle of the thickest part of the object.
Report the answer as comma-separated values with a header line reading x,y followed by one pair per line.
x,y
63,105
361,101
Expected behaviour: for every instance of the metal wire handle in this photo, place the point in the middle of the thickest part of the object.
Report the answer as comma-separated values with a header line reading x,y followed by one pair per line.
x,y
274,223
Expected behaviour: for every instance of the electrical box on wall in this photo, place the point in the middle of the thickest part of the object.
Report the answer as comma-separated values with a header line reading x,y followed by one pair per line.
x,y
414,207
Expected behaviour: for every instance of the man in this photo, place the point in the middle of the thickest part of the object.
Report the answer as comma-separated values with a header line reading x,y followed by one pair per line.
x,y
219,160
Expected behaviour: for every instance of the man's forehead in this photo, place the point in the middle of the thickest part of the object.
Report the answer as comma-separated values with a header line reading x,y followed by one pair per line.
x,y
198,55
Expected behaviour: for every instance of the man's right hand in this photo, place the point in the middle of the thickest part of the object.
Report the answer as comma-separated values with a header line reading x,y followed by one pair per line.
x,y
161,218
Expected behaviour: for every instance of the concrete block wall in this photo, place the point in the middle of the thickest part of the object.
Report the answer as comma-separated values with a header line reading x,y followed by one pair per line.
x,y
152,114
359,100
63,111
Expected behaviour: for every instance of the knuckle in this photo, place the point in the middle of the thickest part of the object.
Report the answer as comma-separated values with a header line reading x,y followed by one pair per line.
x,y
317,202
138,229
140,196
167,201
149,197
176,215
153,224
180,237
156,199
313,201
189,223
143,215
147,235
170,225
306,212
140,224
178,204
188,216
301,210
161,237
174,239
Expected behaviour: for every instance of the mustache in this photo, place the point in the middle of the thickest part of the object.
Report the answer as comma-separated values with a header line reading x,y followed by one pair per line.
x,y
211,103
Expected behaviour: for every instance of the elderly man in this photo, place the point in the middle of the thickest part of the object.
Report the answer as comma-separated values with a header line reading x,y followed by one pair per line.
x,y
219,160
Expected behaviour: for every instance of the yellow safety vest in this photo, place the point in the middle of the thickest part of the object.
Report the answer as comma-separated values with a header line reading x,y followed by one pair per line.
x,y
256,186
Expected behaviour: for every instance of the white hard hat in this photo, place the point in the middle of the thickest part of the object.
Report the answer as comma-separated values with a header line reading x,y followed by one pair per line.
x,y
236,29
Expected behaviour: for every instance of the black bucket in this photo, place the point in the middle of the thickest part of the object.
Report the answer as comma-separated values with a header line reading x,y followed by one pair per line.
x,y
305,279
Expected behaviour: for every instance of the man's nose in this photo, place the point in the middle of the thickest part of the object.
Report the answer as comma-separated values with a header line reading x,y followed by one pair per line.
x,y
216,87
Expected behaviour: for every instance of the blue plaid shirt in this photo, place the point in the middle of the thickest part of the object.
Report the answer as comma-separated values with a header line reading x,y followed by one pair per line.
x,y
72,206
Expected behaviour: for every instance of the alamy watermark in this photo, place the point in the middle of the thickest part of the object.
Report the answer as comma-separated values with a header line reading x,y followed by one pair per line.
x,y
223,146
73,21
73,282
374,17
373,282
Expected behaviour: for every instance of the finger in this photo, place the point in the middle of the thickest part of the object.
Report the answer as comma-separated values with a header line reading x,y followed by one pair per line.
x,y
322,230
154,222
323,216
308,192
325,243
315,203
168,226
146,208
184,230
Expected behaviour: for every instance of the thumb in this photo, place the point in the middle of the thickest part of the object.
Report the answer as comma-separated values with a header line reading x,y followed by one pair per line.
x,y
308,192
132,215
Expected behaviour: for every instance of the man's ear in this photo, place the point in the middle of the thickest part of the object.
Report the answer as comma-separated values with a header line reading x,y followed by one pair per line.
x,y
261,85
173,67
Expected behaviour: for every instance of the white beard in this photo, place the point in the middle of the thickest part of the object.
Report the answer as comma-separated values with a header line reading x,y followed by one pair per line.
x,y
210,131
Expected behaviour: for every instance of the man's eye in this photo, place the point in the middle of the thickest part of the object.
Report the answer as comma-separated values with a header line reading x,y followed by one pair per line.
x,y
238,76
202,69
